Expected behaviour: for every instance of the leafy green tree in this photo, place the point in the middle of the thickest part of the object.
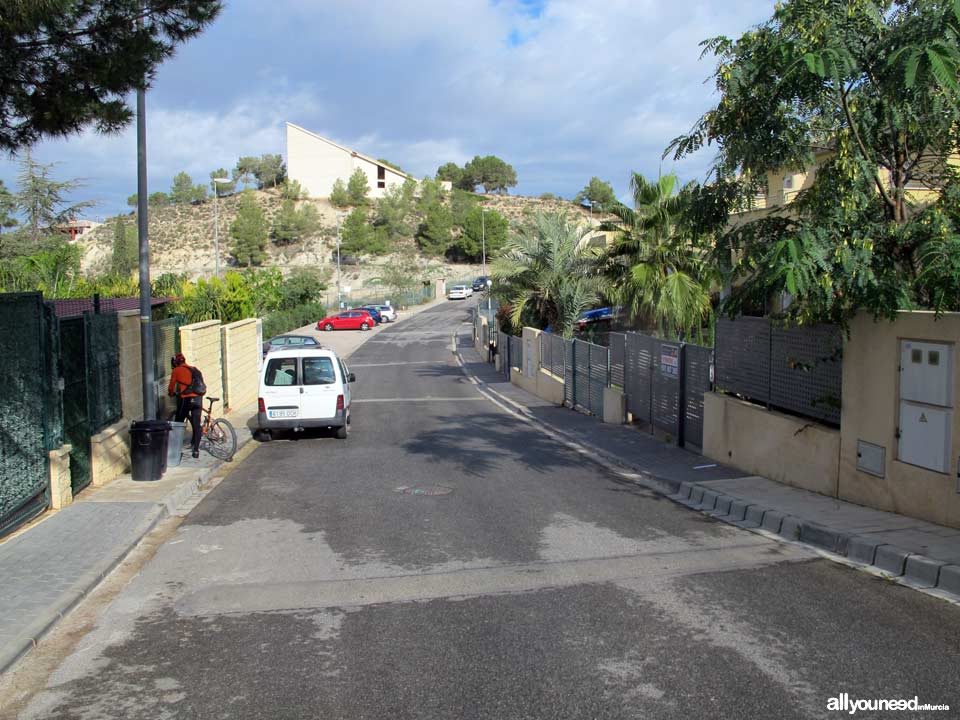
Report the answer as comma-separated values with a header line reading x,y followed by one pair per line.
x,y
547,274
597,192
481,229
303,285
450,172
222,188
183,191
491,172
125,252
8,206
430,194
392,211
291,190
358,188
358,237
42,202
66,66
292,224
270,171
339,197
871,85
245,170
249,231
158,199
400,276
657,272
434,236
462,204
133,200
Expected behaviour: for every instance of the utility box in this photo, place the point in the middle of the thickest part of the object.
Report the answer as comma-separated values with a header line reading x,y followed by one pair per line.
x,y
926,372
925,426
925,436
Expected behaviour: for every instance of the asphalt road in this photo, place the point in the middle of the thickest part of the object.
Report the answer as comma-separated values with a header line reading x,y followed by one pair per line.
x,y
323,579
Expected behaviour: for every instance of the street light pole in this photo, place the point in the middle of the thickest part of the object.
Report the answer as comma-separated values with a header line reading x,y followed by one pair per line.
x,y
216,223
339,303
483,239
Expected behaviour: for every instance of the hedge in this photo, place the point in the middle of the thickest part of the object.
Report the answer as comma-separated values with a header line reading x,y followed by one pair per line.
x,y
282,321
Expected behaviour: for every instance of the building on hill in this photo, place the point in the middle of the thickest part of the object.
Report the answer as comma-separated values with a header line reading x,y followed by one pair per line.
x,y
317,163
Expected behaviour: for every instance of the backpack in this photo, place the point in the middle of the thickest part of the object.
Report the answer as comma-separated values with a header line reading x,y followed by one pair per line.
x,y
197,386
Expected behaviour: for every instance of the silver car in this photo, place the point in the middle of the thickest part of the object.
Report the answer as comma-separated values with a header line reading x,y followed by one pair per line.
x,y
386,312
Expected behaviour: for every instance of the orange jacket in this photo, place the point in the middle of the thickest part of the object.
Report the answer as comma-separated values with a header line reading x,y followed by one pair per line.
x,y
180,379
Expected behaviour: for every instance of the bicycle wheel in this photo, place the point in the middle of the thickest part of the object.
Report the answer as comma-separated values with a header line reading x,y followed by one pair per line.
x,y
222,439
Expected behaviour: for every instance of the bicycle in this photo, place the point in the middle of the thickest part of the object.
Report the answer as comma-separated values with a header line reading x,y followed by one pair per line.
x,y
217,436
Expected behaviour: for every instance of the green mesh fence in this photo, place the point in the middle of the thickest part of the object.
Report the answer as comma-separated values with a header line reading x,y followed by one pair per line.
x,y
76,422
103,371
24,463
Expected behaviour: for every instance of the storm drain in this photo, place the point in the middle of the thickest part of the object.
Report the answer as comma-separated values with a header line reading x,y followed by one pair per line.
x,y
425,490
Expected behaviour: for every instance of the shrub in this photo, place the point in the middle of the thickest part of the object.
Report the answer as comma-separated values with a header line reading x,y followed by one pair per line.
x,y
284,321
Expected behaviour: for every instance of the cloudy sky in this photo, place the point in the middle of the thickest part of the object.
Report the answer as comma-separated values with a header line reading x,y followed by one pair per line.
x,y
561,89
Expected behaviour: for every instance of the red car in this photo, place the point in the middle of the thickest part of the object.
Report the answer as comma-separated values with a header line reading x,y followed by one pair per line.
x,y
348,320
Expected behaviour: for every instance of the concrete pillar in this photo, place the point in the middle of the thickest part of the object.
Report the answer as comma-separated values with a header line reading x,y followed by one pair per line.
x,y
61,494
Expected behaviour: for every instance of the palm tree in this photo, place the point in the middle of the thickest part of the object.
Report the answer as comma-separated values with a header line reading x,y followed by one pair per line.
x,y
656,272
548,271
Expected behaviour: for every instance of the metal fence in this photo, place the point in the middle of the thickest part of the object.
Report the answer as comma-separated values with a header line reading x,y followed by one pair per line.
x,y
665,382
503,349
30,424
166,344
797,369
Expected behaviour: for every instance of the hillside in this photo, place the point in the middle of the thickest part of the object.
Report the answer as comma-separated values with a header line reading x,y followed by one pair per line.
x,y
182,239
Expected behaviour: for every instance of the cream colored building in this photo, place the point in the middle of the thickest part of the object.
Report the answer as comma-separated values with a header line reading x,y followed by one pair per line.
x,y
317,163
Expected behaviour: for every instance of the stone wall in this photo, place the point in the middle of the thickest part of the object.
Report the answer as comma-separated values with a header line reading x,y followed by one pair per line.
x,y
110,452
200,343
61,494
241,356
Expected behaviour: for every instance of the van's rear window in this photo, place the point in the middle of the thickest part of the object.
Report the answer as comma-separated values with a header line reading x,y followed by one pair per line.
x,y
282,371
318,371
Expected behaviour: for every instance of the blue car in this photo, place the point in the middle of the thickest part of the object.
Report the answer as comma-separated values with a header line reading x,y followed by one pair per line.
x,y
377,317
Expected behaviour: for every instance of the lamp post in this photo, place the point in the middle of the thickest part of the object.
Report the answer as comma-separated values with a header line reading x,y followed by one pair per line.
x,y
483,240
339,303
216,222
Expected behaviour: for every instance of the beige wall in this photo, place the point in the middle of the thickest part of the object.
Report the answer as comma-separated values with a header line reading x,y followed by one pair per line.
x,y
777,446
241,353
531,377
131,377
200,344
110,453
871,360
316,163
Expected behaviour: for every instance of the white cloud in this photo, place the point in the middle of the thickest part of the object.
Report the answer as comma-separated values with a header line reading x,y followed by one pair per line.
x,y
589,89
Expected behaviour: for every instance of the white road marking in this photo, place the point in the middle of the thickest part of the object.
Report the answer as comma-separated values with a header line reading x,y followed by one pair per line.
x,y
418,399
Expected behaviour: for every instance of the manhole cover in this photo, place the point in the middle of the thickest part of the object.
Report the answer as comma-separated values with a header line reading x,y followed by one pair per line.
x,y
425,490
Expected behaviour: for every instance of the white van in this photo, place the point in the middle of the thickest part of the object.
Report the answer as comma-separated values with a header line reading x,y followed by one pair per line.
x,y
304,388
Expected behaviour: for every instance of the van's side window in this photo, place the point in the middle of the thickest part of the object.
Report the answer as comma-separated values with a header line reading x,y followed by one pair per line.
x,y
318,371
282,371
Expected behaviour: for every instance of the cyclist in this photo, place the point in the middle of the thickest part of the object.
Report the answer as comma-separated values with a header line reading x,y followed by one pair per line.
x,y
190,403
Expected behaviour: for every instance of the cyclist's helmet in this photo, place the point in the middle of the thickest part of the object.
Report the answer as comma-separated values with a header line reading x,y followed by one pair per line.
x,y
177,360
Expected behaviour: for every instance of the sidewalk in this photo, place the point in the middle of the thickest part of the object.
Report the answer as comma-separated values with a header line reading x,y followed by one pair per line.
x,y
913,552
48,567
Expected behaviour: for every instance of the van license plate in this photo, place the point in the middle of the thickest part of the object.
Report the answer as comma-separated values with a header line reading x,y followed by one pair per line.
x,y
283,413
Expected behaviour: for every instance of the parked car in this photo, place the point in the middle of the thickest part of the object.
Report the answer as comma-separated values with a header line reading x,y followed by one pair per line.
x,y
282,341
348,320
480,284
457,292
306,387
376,313
386,312
604,316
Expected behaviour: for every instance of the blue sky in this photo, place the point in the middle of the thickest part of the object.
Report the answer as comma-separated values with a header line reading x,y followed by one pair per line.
x,y
562,90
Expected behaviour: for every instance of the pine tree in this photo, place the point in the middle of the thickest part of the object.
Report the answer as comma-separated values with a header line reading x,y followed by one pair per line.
x,y
249,231
125,255
339,197
358,188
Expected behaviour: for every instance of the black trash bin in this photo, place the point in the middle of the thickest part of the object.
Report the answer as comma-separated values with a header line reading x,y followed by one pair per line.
x,y
148,449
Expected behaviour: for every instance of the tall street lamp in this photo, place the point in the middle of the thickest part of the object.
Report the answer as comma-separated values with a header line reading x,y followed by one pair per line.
x,y
483,240
339,303
216,222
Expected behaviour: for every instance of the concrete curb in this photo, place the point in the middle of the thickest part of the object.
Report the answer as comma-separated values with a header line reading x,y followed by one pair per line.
x,y
740,513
